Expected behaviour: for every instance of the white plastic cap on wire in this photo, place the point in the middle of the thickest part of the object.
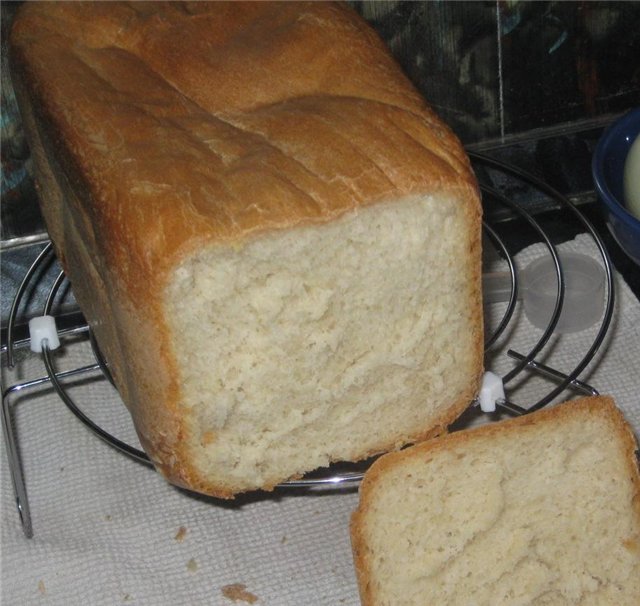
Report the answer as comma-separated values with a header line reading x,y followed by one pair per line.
x,y
41,328
491,391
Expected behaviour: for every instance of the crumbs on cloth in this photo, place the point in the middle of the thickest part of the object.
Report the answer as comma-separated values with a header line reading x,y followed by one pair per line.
x,y
182,532
192,565
237,592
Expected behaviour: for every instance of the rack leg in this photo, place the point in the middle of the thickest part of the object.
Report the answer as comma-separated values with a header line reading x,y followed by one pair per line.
x,y
15,465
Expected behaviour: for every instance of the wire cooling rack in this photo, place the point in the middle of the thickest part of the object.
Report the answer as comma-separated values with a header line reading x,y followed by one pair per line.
x,y
524,364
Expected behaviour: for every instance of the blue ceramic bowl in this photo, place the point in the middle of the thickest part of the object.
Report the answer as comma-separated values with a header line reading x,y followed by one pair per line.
x,y
608,170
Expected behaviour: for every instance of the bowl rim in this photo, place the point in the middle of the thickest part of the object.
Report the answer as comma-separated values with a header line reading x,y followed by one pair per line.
x,y
597,165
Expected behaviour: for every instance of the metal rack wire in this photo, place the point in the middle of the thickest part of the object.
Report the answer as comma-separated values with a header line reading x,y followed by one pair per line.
x,y
335,476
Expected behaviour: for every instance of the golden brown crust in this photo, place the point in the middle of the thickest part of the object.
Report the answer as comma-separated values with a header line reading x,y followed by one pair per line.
x,y
603,407
223,111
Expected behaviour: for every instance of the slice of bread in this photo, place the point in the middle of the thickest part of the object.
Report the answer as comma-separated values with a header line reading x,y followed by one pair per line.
x,y
542,509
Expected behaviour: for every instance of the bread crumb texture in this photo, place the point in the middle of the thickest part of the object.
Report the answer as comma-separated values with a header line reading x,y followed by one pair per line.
x,y
546,513
237,592
323,344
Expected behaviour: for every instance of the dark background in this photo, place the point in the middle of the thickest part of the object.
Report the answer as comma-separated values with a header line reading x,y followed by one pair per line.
x,y
503,68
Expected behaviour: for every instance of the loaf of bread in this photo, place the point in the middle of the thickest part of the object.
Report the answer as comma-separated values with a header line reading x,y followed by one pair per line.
x,y
543,509
275,240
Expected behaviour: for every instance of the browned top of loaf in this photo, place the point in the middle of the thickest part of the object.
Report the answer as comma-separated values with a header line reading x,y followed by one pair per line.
x,y
209,121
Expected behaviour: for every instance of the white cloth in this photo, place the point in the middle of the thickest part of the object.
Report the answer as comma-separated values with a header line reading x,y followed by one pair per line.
x,y
110,531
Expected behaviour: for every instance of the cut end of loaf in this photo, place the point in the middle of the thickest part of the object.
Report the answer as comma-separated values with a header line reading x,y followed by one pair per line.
x,y
541,510
325,343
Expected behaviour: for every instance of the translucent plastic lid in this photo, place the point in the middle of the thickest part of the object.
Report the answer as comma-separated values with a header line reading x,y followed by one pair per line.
x,y
584,296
